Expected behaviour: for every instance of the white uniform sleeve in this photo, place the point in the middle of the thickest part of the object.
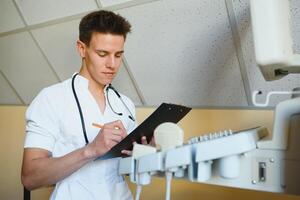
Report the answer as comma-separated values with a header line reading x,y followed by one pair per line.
x,y
42,124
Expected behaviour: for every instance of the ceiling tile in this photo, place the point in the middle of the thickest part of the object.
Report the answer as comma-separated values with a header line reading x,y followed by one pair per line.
x,y
183,52
108,3
24,65
40,11
9,17
7,95
60,47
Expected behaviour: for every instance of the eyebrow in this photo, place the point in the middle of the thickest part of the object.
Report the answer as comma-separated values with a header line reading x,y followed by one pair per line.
x,y
104,51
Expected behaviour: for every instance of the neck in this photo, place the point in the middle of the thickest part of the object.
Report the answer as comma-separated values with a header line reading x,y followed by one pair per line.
x,y
94,87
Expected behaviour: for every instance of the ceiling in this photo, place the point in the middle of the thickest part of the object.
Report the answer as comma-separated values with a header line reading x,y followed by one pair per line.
x,y
195,53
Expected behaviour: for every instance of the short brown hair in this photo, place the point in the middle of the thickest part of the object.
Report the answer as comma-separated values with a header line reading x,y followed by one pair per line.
x,y
102,21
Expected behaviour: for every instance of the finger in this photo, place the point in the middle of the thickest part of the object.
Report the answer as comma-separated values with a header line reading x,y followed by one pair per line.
x,y
116,125
144,140
110,144
109,131
123,134
127,152
118,132
115,138
113,143
121,127
152,142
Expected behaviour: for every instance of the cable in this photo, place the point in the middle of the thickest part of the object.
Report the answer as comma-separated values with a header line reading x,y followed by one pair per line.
x,y
138,191
168,184
255,93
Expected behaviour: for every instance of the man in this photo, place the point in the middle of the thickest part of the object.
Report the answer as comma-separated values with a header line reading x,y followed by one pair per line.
x,y
61,142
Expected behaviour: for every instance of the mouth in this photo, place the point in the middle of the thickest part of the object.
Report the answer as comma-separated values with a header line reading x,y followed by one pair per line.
x,y
109,74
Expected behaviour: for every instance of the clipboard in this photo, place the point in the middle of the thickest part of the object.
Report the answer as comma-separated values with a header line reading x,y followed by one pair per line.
x,y
164,113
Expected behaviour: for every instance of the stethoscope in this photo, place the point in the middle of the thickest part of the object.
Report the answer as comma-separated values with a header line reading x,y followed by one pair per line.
x,y
130,116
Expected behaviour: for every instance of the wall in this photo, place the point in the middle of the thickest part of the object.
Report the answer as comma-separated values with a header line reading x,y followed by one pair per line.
x,y
198,121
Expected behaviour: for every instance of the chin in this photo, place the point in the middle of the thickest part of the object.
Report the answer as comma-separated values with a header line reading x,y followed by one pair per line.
x,y
106,82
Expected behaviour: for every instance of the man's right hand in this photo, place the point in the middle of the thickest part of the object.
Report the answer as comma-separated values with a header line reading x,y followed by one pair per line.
x,y
41,169
110,135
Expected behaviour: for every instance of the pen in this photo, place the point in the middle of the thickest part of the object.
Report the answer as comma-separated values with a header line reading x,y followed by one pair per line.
x,y
97,125
101,126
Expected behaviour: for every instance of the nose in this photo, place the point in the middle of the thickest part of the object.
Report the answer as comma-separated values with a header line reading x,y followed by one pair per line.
x,y
111,61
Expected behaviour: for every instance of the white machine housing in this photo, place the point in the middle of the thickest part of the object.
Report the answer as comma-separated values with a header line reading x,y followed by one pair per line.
x,y
272,38
245,159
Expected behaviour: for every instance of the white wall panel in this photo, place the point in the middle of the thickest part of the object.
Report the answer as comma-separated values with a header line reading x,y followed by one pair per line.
x,y
35,11
7,95
24,65
183,52
257,82
9,17
58,42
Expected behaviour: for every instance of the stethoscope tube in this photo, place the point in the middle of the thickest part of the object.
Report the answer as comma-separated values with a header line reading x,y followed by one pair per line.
x,y
79,110
130,116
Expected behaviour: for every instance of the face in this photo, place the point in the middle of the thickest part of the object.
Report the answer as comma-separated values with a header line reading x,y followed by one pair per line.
x,y
102,58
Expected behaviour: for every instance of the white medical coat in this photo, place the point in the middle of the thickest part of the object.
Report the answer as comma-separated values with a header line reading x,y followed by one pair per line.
x,y
53,123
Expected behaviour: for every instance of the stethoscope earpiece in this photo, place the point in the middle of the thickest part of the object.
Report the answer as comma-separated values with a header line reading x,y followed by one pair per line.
x,y
130,117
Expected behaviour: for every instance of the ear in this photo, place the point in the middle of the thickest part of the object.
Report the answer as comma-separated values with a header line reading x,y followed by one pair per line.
x,y
81,48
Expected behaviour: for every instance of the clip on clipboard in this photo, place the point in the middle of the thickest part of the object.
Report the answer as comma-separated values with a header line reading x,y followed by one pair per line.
x,y
164,113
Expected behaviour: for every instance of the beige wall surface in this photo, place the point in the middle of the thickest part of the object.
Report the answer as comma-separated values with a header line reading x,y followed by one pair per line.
x,y
198,121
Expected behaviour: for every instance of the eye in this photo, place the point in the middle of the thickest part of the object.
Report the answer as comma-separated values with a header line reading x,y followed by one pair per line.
x,y
102,54
118,55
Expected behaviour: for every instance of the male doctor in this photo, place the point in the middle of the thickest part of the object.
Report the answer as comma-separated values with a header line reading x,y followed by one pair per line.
x,y
61,142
